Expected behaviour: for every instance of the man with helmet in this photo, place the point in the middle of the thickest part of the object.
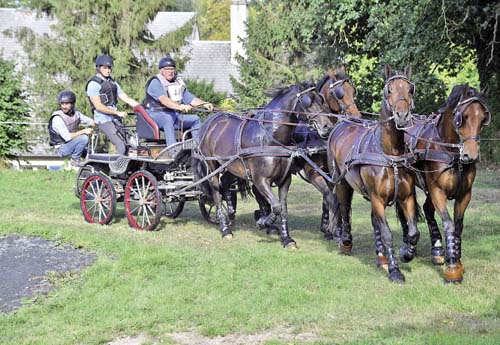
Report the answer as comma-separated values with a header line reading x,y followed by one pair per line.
x,y
64,131
104,93
167,96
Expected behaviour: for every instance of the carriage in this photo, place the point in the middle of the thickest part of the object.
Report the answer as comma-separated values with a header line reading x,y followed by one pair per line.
x,y
152,180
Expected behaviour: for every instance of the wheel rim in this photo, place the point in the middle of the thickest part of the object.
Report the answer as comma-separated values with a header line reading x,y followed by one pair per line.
x,y
142,201
98,199
174,209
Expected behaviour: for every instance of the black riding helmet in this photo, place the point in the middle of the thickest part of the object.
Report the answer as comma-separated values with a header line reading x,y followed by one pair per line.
x,y
104,60
167,61
66,96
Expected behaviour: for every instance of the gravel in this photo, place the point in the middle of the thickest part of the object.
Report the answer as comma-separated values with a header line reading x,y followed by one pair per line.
x,y
26,263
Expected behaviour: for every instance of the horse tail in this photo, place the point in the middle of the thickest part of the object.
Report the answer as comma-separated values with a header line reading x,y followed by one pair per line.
x,y
200,170
401,217
245,188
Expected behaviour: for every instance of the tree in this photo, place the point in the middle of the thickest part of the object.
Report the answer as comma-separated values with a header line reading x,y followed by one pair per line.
x,y
86,29
214,20
292,39
13,109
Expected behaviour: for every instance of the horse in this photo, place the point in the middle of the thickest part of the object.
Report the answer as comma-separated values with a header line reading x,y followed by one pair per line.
x,y
447,148
370,158
258,149
339,95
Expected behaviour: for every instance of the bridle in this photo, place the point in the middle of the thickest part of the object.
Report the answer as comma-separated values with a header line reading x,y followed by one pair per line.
x,y
387,91
337,91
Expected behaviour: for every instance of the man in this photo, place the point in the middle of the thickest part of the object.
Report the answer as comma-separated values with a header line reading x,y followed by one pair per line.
x,y
167,96
103,93
64,130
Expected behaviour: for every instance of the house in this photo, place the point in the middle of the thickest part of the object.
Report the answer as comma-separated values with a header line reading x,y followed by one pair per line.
x,y
211,61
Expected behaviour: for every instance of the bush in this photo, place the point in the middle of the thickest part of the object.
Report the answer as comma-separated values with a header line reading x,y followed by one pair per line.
x,y
13,108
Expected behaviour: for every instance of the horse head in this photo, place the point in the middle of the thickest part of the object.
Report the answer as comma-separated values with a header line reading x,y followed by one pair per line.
x,y
470,115
339,93
309,107
398,97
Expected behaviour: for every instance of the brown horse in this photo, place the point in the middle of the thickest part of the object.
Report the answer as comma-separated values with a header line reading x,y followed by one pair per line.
x,y
371,159
258,149
447,148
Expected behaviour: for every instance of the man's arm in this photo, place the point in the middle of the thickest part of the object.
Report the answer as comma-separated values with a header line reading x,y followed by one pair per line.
x,y
60,127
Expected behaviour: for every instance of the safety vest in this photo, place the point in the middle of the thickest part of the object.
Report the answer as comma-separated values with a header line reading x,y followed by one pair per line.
x,y
72,123
109,91
174,90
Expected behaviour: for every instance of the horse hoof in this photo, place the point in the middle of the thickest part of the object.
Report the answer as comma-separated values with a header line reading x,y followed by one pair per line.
x,y
382,262
460,266
404,256
437,255
438,260
453,274
345,247
228,237
397,277
291,246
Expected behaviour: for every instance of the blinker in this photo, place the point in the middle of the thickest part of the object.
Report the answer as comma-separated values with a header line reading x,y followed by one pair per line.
x,y
306,101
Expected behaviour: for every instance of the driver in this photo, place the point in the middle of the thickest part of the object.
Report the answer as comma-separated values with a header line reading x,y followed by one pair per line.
x,y
167,96
64,131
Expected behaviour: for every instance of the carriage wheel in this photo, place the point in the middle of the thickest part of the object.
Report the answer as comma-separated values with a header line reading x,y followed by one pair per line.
x,y
173,209
98,199
81,176
208,209
143,203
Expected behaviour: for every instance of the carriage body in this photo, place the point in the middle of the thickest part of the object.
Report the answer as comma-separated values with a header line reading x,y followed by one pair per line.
x,y
153,179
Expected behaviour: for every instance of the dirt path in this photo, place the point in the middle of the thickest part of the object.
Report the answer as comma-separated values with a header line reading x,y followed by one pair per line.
x,y
25,264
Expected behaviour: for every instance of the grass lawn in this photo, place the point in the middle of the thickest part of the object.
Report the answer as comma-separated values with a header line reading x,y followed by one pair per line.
x,y
184,279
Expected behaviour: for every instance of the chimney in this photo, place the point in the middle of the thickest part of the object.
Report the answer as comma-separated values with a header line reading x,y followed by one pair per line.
x,y
238,29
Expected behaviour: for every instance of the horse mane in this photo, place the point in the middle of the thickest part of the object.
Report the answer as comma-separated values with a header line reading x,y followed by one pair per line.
x,y
456,94
278,91
322,82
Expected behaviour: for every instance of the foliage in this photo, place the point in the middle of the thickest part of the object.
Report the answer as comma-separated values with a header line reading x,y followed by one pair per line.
x,y
185,280
205,90
214,20
88,28
296,39
13,108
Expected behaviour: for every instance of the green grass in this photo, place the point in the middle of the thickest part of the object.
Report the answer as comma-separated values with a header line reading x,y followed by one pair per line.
x,y
185,278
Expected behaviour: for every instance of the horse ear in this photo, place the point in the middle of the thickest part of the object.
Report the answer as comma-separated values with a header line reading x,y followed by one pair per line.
x,y
341,70
407,71
387,72
465,90
330,73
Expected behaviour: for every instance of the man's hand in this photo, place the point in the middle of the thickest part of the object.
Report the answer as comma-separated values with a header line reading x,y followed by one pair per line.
x,y
122,114
209,106
87,130
185,108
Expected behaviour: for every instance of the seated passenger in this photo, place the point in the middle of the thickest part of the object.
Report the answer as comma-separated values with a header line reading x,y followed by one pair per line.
x,y
167,96
64,131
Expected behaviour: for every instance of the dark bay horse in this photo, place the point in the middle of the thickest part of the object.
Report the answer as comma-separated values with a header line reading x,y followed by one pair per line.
x,y
339,96
258,149
447,148
371,159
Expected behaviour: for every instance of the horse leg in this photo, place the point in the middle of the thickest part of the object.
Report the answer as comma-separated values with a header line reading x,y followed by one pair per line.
x,y
226,182
461,204
329,205
381,259
379,220
221,216
344,196
263,216
437,250
265,190
408,207
452,274
286,239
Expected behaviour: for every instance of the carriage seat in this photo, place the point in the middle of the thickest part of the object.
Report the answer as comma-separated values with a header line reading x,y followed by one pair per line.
x,y
146,127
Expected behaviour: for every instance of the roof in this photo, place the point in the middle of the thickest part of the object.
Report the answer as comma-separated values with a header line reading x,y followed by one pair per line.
x,y
14,19
166,22
210,61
